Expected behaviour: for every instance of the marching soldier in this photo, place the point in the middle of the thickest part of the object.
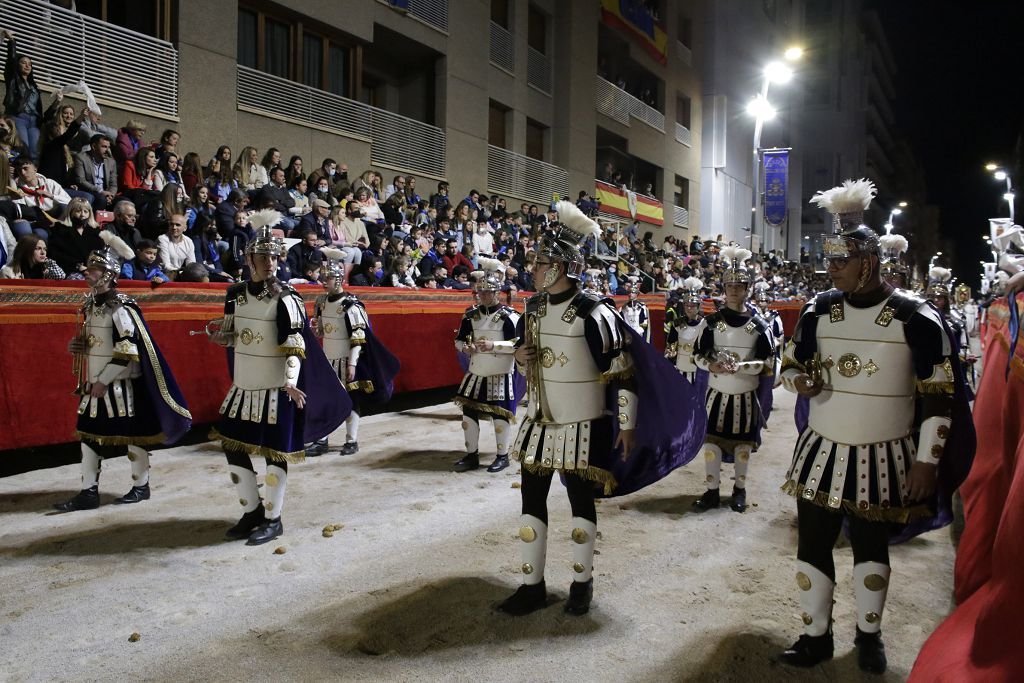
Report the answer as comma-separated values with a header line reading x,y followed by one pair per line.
x,y
635,312
682,336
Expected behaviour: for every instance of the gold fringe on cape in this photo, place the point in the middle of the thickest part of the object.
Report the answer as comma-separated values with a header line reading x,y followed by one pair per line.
x,y
114,440
262,451
873,513
464,402
590,473
364,385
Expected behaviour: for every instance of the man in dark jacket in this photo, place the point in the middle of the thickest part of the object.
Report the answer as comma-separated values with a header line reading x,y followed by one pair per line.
x,y
277,193
224,214
316,220
304,254
96,172
125,216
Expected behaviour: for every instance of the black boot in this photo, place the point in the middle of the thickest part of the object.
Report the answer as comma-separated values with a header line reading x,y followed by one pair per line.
x,y
739,499
350,448
500,463
316,448
525,600
809,651
136,495
268,531
710,499
470,462
580,595
870,652
86,499
248,522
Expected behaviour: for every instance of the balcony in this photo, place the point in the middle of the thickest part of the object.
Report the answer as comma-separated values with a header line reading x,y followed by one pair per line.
x,y
503,49
523,177
538,70
680,217
684,54
683,135
617,104
433,13
395,141
123,68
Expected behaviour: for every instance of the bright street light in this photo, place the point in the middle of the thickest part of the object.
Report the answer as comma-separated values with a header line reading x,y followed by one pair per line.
x,y
761,109
903,205
777,72
897,212
793,53
1000,175
991,167
1008,196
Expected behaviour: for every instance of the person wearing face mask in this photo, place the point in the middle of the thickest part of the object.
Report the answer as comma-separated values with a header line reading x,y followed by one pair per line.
x,y
284,393
73,240
320,188
129,399
888,435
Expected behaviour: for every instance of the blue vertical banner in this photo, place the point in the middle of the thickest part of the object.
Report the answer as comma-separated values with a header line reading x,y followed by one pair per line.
x,y
776,179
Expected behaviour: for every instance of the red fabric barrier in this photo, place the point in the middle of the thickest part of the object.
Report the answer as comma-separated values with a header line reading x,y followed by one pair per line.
x,y
975,643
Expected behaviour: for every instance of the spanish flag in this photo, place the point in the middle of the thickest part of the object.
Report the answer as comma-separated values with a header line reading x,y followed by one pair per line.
x,y
633,17
628,204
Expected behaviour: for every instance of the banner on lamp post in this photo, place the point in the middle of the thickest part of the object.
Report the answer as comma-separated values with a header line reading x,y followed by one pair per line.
x,y
776,179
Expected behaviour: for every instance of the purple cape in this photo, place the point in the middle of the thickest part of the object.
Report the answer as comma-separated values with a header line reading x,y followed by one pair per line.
x,y
670,421
171,411
377,365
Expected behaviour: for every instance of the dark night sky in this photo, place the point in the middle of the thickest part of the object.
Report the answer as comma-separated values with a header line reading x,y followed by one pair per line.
x,y
960,102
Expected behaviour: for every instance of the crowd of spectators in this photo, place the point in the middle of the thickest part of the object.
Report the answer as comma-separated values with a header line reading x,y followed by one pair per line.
x,y
187,218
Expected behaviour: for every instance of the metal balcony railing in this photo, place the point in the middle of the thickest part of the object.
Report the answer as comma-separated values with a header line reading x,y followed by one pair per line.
x,y
538,70
618,104
523,177
431,12
126,69
684,53
503,48
683,135
395,141
680,217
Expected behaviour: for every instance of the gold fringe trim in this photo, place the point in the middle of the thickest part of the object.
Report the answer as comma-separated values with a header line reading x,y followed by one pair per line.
x,y
125,356
107,440
788,363
464,402
262,451
364,385
610,376
356,341
158,371
293,351
590,473
935,388
873,513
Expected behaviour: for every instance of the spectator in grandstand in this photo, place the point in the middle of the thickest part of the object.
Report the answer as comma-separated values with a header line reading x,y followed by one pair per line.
x,y
221,180
238,238
271,160
320,188
96,172
439,200
219,160
168,168
194,272
191,172
31,262
399,275
176,250
11,146
328,171
316,220
168,144
371,211
224,215
41,201
304,254
200,204
156,210
72,240
460,278
128,142
294,170
392,210
144,266
123,225
208,247
297,190
248,172
483,239
139,176
277,196
473,199
453,257
59,126
366,274
397,185
338,225
411,197
22,102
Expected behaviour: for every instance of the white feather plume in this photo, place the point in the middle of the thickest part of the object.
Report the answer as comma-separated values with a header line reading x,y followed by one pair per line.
x,y
760,285
332,254
264,218
570,215
1002,276
894,243
693,283
852,195
490,265
117,244
735,255
940,274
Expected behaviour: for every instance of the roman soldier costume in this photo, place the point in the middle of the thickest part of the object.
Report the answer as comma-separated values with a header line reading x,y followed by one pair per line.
x,y
129,398
686,330
635,312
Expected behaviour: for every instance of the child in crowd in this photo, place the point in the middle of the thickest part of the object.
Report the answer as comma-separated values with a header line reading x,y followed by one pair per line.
x,y
144,265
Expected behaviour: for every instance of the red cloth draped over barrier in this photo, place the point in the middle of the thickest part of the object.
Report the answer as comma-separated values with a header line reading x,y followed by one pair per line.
x,y
977,642
37,319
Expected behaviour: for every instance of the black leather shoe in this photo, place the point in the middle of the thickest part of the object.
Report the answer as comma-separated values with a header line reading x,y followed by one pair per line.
x,y
86,499
268,531
870,652
136,495
470,462
316,448
525,600
739,499
500,463
711,499
809,651
350,448
580,595
245,526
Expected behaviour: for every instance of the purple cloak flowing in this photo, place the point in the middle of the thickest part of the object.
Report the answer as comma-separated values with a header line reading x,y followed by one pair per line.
x,y
170,407
377,365
671,420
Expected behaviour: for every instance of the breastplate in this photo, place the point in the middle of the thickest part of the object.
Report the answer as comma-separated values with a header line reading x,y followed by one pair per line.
x,y
631,314
490,328
687,341
259,363
99,339
742,342
335,329
869,377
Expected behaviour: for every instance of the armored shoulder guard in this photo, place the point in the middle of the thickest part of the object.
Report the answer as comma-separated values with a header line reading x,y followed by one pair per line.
x,y
823,302
534,302
904,304
586,301
235,290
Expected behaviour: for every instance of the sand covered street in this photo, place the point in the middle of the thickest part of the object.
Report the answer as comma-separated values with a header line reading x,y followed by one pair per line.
x,y
404,591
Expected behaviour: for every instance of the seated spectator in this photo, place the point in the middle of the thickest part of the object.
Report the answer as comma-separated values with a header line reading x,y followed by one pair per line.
x,y
310,277
144,266
348,233
294,170
200,204
128,142
367,274
337,179
123,225
371,209
176,250
156,211
460,278
302,207
411,198
11,145
191,172
249,174
220,162
440,200
96,172
426,282
139,176
271,160
168,145
30,261
320,188
317,221
392,210
399,275
224,214
453,258
41,201
276,195
397,185
75,238
208,248
194,272
89,127
304,253
483,240
221,179
167,168
238,238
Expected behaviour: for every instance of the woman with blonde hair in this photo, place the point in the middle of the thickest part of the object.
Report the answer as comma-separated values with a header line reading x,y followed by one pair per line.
x,y
248,171
74,238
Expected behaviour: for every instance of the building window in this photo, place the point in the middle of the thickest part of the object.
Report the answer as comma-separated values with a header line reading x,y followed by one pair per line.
x,y
681,193
535,139
312,60
500,13
683,110
248,39
496,125
685,31
151,18
276,48
337,70
537,30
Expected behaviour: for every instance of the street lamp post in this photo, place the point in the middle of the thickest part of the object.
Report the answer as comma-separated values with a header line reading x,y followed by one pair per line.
x,y
1001,175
